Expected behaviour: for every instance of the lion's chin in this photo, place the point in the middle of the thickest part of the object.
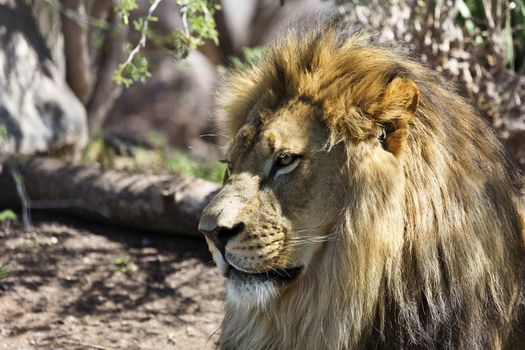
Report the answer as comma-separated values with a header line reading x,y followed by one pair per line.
x,y
248,290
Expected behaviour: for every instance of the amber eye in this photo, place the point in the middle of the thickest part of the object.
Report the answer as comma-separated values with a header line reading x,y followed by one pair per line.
x,y
284,164
382,138
285,159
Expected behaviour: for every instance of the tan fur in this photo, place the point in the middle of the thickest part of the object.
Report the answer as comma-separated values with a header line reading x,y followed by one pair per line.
x,y
415,243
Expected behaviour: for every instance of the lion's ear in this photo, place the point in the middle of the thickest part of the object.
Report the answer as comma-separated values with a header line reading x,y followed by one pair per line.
x,y
402,95
395,111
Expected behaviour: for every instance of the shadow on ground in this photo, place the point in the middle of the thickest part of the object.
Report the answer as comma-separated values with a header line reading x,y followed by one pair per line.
x,y
75,285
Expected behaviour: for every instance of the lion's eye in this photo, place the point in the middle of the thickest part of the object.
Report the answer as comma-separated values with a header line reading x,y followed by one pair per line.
x,y
285,163
382,138
284,159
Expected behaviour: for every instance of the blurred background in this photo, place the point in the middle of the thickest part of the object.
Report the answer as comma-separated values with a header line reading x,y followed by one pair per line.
x,y
108,150
85,77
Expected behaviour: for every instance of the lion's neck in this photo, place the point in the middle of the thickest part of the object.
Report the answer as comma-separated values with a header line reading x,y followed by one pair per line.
x,y
320,312
340,306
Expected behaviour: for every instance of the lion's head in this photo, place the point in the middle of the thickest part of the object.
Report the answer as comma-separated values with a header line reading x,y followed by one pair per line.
x,y
365,204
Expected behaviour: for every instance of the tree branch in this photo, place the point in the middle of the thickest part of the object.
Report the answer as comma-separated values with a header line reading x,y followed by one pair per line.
x,y
142,42
99,12
78,65
226,45
106,91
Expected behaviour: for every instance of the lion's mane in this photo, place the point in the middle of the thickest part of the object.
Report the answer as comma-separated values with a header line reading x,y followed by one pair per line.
x,y
433,262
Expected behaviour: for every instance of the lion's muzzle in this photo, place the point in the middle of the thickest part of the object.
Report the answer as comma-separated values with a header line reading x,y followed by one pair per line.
x,y
220,235
245,229
223,219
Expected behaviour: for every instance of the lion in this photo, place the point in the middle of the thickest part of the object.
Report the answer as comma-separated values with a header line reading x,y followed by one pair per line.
x,y
365,205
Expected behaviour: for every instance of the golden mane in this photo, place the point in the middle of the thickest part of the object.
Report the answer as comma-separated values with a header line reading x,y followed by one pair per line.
x,y
441,263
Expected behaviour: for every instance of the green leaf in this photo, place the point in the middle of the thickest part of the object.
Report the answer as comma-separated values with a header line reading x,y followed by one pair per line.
x,y
7,215
124,7
125,265
4,272
4,134
138,24
200,27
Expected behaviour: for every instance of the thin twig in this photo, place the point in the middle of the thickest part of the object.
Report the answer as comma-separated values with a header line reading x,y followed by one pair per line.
x,y
184,11
22,194
206,12
142,42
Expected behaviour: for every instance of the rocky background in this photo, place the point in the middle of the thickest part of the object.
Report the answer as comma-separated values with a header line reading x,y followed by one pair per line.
x,y
50,101
37,107
476,60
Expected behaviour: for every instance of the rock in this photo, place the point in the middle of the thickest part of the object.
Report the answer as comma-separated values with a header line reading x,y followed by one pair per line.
x,y
37,108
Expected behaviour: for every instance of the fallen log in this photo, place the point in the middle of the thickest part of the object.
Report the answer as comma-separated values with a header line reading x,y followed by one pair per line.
x,y
160,203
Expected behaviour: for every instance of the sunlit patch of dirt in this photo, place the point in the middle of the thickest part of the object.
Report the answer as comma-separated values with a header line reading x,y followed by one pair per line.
x,y
75,286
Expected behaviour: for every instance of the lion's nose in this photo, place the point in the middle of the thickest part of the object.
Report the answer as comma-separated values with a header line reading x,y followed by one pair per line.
x,y
220,235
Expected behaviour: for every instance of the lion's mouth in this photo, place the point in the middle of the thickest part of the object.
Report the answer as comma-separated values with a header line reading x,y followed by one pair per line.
x,y
281,275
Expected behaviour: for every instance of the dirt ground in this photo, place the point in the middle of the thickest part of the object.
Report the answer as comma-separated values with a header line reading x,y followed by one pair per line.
x,y
72,285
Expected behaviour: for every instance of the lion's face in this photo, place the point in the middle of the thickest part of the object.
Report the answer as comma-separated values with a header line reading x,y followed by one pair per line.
x,y
279,202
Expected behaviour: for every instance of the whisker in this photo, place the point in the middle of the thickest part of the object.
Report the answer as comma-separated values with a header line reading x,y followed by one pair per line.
x,y
309,228
301,241
313,239
215,135
321,224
